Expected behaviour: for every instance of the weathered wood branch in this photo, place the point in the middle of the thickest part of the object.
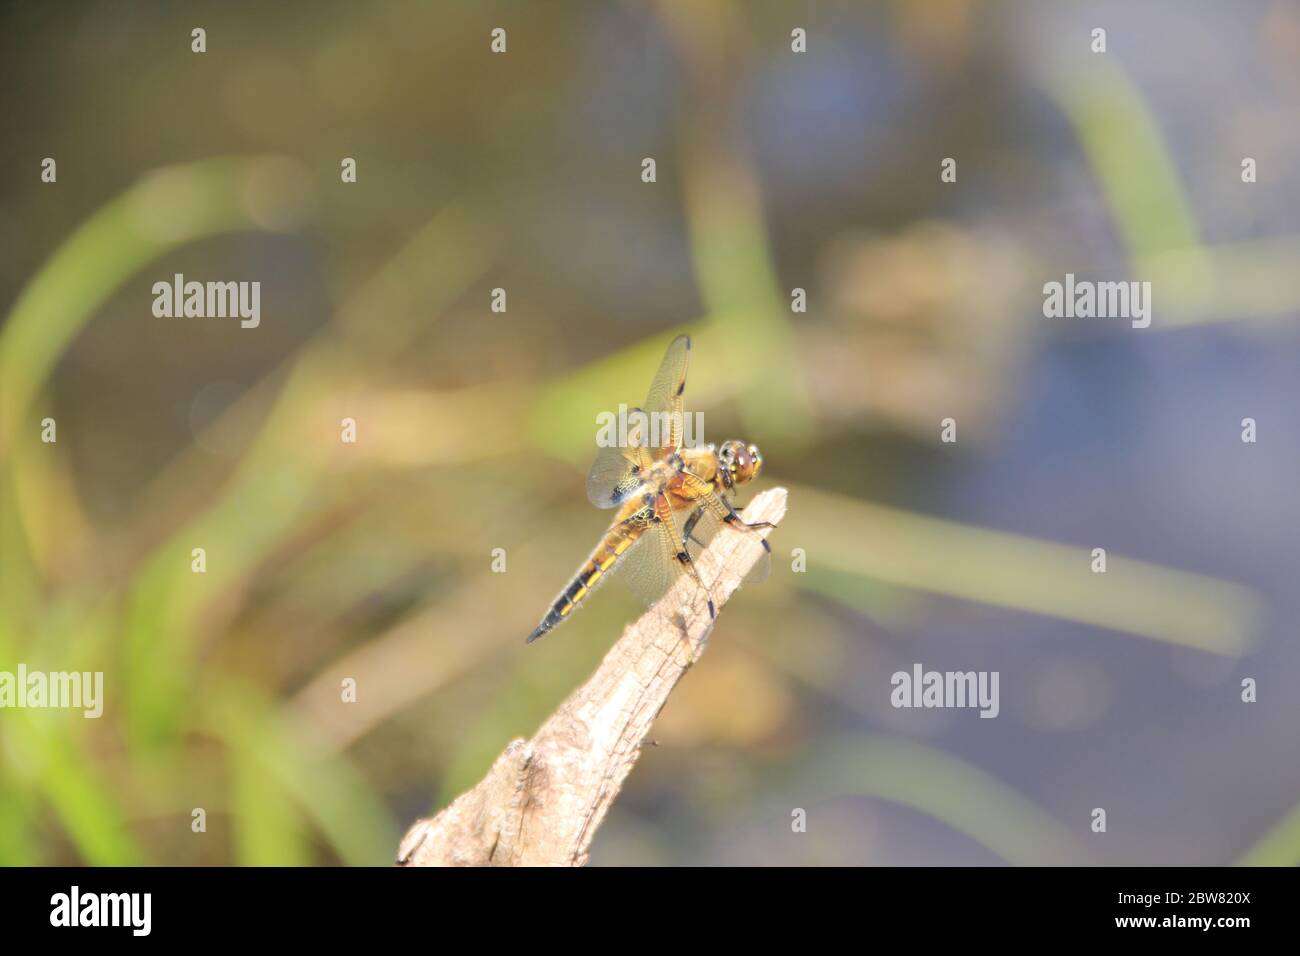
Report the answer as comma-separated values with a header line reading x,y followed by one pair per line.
x,y
543,799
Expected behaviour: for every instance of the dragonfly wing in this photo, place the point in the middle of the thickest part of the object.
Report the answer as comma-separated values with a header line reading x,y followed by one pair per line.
x,y
613,479
615,474
761,570
701,526
664,402
649,567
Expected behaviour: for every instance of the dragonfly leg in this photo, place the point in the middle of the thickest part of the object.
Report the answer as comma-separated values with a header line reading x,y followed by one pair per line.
x,y
689,527
732,517
684,556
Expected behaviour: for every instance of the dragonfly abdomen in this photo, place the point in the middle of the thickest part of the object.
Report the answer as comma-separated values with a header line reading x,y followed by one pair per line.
x,y
612,547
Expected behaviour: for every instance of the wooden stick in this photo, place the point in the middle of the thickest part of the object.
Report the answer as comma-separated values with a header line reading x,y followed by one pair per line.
x,y
543,799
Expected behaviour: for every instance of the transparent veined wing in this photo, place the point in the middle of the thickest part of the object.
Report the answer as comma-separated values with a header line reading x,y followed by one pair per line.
x,y
664,402
615,474
701,526
649,567
613,478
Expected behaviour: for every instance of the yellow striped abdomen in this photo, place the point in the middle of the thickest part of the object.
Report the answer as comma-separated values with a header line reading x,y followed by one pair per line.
x,y
613,546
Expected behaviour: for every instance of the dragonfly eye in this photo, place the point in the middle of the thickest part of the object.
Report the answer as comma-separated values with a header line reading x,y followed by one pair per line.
x,y
740,462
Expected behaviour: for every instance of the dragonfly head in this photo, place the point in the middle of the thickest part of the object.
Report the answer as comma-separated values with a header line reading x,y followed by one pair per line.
x,y
739,462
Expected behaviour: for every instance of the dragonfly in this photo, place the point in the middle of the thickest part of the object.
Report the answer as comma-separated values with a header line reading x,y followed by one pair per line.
x,y
671,499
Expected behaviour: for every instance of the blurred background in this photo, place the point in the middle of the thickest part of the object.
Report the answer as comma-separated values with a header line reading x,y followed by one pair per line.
x,y
775,171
